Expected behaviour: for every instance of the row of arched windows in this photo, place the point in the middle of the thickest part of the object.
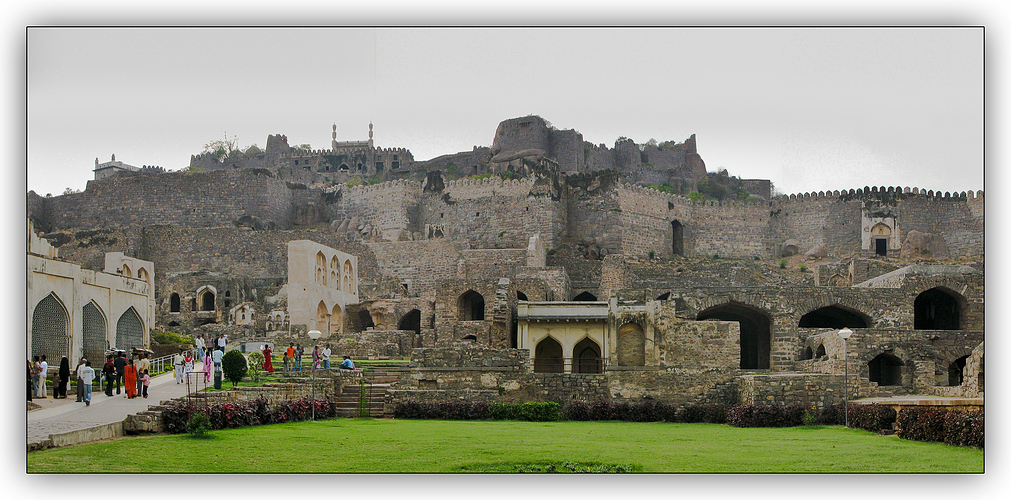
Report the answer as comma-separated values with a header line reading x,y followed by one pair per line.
x,y
51,333
328,273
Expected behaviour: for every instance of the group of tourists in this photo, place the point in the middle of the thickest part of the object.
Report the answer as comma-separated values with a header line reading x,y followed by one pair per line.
x,y
132,375
293,358
219,343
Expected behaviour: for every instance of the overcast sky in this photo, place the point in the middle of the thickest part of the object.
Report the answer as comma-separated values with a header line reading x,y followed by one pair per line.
x,y
808,108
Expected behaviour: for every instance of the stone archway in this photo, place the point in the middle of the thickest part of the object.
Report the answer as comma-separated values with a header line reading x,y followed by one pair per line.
x,y
834,316
585,297
756,331
586,357
50,329
548,356
885,369
938,309
470,306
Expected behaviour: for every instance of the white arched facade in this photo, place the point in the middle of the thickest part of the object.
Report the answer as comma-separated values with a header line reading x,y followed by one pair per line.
x,y
322,282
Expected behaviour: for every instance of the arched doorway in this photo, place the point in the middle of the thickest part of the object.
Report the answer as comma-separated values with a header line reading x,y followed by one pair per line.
x,y
885,369
678,238
411,321
631,349
129,330
586,357
937,309
548,356
880,234
833,317
95,332
471,306
50,329
756,334
585,297
336,320
173,303
322,318
956,371
207,300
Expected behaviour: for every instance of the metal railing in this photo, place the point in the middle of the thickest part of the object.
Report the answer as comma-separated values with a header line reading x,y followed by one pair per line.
x,y
164,363
571,365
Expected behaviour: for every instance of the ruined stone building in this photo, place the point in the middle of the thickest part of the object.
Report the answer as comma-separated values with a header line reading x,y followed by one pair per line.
x,y
545,268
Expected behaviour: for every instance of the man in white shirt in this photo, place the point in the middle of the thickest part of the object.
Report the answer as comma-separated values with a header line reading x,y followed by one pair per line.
x,y
216,358
222,342
87,377
177,363
43,371
326,357
200,346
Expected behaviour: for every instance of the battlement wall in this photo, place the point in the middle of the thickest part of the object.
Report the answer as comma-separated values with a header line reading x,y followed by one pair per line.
x,y
420,263
197,199
387,206
470,189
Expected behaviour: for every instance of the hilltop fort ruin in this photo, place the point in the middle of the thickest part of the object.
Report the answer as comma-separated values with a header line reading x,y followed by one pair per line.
x,y
547,268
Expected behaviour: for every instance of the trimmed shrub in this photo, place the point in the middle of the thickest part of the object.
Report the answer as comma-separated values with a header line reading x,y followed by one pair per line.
x,y
233,366
531,412
576,411
964,428
709,414
922,424
867,417
198,425
765,416
255,412
442,410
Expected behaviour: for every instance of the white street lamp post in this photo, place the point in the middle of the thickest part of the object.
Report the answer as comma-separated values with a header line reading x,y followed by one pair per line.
x,y
314,335
844,334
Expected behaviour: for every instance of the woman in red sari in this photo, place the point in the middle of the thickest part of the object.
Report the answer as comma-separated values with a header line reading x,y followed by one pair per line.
x,y
131,380
268,365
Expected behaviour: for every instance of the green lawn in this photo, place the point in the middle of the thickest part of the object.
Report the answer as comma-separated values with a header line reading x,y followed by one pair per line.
x,y
387,445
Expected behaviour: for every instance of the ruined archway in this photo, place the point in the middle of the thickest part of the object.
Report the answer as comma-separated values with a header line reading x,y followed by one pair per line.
x,y
631,349
937,309
834,316
322,318
548,356
820,353
585,297
756,332
365,319
471,306
50,329
521,296
807,354
586,357
956,371
677,238
885,369
411,322
336,320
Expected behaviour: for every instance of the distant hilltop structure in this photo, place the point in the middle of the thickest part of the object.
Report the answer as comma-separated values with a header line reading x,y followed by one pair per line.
x,y
114,166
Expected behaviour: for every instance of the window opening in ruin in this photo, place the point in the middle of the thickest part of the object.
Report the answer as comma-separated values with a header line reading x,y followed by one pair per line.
x,y
411,322
129,330
343,167
207,301
142,274
228,303
348,277
471,306
365,319
228,293
320,269
678,238
756,336
881,246
631,349
470,338
173,303
514,332
95,332
173,323
50,329
833,317
937,309
193,303
663,296
820,352
521,296
956,371
808,353
548,356
586,357
126,271
585,297
885,369
335,272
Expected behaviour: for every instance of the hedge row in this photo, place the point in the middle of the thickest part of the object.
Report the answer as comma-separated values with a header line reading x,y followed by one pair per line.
x,y
255,412
463,410
867,417
647,411
957,428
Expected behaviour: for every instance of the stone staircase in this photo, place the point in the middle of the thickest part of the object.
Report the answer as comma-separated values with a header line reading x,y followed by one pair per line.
x,y
367,399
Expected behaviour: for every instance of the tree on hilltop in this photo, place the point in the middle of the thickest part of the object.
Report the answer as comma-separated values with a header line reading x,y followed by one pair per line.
x,y
222,147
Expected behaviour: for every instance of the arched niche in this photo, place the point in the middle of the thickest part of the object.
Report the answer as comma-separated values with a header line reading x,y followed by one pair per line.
x,y
756,331
174,303
586,357
548,356
129,330
585,297
50,328
631,349
938,309
470,306
885,369
95,331
677,238
834,316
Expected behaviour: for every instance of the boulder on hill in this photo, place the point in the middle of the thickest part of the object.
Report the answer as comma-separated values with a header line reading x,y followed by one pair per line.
x,y
920,245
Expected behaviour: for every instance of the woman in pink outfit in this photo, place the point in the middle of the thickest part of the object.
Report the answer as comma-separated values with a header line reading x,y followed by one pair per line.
x,y
207,366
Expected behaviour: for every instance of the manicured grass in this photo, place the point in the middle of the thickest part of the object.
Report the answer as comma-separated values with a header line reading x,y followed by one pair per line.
x,y
365,445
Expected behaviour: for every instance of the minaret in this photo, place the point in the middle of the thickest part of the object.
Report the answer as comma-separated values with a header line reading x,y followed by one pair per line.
x,y
333,144
370,135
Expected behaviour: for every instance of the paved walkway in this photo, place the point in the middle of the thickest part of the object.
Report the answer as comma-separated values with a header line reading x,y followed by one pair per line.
x,y
63,415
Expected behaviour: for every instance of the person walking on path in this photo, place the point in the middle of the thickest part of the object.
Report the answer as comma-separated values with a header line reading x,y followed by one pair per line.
x,y
109,370
130,378
326,357
36,368
289,357
177,363
64,374
80,384
222,342
120,363
207,367
216,358
43,375
30,388
187,366
298,357
142,366
145,381
268,365
87,377
200,346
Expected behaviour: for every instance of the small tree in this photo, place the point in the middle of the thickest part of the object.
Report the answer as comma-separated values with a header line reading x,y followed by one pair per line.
x,y
255,364
234,366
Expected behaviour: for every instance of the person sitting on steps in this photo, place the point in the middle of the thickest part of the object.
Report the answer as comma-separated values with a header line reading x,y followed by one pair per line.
x,y
347,364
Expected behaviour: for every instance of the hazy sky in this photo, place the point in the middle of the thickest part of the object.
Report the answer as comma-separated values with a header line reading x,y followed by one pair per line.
x,y
808,108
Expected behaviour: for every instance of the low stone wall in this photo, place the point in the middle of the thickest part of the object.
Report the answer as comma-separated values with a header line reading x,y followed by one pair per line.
x,y
373,344
804,389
